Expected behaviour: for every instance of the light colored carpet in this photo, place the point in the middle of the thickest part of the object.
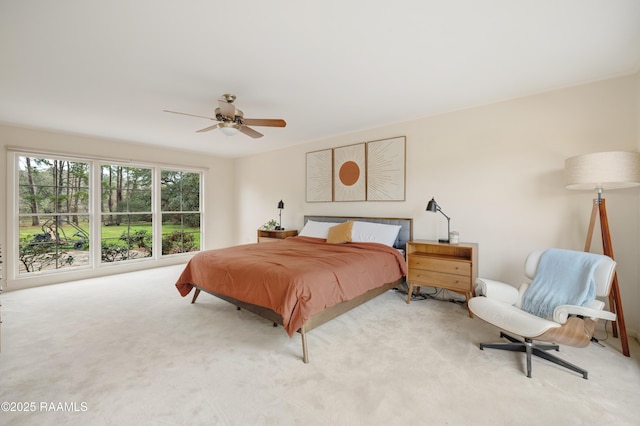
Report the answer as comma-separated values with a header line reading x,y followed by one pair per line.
x,y
128,349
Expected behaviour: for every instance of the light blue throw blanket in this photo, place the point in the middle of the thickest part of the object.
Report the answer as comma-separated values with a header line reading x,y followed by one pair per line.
x,y
563,277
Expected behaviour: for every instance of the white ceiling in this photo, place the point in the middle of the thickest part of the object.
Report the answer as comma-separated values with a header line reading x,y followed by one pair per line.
x,y
109,68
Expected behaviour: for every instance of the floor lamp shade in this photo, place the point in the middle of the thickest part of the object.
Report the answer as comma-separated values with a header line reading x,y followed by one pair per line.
x,y
603,170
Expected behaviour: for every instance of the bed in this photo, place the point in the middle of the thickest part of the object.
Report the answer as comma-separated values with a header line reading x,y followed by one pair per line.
x,y
302,282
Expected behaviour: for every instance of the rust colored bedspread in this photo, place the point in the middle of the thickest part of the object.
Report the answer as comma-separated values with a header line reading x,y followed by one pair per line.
x,y
297,277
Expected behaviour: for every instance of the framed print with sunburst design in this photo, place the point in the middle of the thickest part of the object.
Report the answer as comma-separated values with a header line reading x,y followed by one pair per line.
x,y
386,169
320,176
349,168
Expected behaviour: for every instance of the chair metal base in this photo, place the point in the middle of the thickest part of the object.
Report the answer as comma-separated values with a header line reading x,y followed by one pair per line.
x,y
531,348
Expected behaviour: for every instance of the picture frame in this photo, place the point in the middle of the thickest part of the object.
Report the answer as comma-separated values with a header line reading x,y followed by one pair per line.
x,y
386,174
349,173
319,176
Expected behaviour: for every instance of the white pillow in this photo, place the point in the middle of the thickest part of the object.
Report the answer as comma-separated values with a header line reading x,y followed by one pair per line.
x,y
369,232
316,229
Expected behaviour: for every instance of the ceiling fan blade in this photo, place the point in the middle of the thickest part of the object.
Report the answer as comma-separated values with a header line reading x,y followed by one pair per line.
x,y
191,115
227,109
271,122
206,129
250,132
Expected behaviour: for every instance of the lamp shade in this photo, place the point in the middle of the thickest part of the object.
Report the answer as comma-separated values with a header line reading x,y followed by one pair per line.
x,y
281,204
228,128
432,205
603,170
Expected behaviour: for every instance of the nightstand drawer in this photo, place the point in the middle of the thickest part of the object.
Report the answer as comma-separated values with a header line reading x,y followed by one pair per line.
x,y
440,265
271,235
440,279
268,240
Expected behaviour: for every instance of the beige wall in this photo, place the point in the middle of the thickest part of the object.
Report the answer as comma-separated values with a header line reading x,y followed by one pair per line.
x,y
218,198
496,170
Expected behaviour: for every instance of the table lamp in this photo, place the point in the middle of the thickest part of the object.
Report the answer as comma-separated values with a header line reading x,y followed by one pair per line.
x,y
280,207
432,206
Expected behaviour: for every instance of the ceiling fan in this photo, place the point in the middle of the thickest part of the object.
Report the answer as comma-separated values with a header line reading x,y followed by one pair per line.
x,y
230,120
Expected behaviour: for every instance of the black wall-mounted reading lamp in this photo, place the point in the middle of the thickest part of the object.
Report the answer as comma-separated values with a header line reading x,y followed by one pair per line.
x,y
432,206
280,207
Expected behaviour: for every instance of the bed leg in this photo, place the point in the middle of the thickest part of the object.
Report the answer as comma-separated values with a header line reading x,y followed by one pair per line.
x,y
305,352
195,295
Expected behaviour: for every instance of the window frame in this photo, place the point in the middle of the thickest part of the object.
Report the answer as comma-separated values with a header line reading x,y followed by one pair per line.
x,y
101,214
95,265
162,212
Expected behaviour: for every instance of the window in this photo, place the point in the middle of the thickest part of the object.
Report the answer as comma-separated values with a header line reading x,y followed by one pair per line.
x,y
53,217
77,213
127,217
180,208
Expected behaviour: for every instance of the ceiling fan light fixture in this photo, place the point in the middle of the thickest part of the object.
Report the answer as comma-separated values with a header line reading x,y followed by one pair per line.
x,y
230,120
229,128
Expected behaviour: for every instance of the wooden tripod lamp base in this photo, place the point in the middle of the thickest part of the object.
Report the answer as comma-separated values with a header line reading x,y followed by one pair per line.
x,y
599,171
615,301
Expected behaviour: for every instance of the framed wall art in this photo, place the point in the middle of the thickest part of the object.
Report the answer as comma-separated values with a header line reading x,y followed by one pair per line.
x,y
386,169
320,176
349,180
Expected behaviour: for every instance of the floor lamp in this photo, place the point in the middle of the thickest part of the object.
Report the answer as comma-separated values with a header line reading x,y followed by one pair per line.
x,y
600,171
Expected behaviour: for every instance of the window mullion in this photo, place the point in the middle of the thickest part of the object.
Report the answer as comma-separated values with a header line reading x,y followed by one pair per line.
x,y
156,214
95,213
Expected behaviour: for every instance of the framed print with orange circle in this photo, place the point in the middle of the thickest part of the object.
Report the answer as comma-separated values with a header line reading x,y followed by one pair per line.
x,y
349,173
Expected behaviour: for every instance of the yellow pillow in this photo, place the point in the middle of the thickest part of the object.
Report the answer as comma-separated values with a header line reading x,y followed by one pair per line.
x,y
340,233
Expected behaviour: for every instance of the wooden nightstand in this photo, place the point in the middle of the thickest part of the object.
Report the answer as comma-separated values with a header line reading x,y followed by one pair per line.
x,y
450,266
265,236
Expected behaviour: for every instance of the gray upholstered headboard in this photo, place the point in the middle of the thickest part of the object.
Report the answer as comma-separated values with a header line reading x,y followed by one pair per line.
x,y
406,225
